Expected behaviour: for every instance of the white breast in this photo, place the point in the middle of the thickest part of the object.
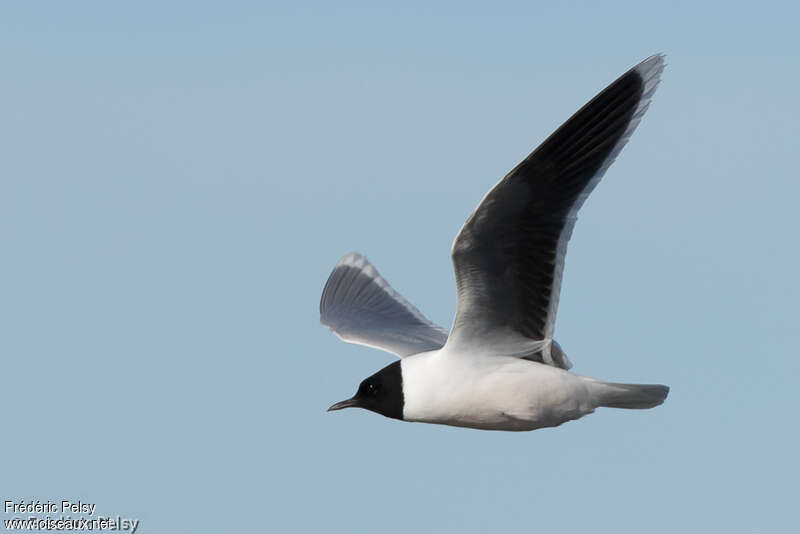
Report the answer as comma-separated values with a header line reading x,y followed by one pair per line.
x,y
490,392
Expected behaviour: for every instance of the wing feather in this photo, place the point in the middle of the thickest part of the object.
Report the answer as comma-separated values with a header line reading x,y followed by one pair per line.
x,y
509,255
359,306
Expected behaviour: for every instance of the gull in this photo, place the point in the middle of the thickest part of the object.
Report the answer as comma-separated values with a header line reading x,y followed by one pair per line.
x,y
499,367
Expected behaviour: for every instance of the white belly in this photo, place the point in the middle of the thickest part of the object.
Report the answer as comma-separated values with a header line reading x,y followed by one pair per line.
x,y
490,392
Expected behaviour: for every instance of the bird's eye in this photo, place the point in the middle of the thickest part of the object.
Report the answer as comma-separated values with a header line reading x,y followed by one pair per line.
x,y
372,389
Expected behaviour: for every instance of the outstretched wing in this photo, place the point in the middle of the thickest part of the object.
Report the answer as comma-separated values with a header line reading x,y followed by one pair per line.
x,y
359,306
509,255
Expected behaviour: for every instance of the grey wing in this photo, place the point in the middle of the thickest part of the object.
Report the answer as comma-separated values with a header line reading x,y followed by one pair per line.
x,y
509,255
359,306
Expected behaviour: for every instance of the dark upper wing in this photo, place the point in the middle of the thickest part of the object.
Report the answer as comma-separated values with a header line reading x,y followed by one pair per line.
x,y
509,255
361,307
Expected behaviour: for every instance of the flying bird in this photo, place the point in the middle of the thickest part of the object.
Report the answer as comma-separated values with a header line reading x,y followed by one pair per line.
x,y
499,367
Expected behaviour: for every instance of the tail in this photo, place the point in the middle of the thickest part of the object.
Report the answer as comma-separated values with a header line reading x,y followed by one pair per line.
x,y
630,396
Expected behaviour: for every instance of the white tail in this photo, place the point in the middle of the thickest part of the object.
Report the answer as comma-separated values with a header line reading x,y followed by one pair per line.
x,y
630,396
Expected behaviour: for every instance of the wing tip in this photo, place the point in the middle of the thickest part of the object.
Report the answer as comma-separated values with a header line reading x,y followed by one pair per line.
x,y
360,262
650,71
351,259
354,259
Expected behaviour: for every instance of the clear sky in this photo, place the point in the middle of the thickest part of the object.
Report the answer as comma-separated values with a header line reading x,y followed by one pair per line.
x,y
177,180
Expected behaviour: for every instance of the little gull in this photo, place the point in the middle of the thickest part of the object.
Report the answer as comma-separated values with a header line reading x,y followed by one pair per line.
x,y
499,368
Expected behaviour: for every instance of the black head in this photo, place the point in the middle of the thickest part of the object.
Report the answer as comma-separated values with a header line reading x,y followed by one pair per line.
x,y
381,393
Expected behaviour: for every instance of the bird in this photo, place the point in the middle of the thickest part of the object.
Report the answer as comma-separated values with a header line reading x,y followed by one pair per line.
x,y
499,368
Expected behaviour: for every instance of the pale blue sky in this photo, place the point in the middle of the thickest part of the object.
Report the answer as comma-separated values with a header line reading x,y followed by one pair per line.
x,y
178,179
